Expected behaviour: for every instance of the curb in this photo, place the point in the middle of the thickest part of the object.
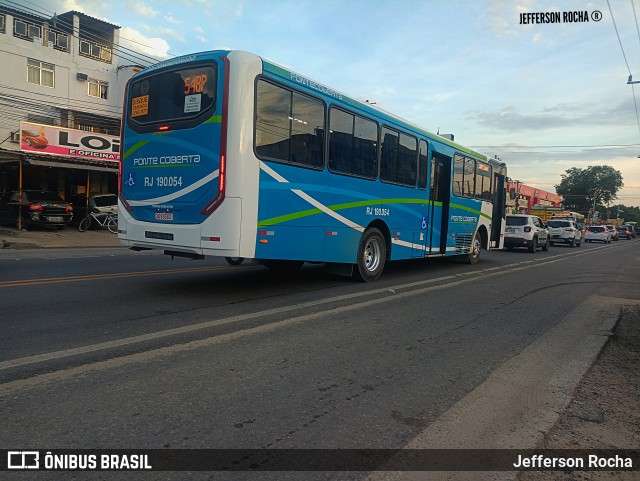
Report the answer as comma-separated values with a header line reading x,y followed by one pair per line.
x,y
522,400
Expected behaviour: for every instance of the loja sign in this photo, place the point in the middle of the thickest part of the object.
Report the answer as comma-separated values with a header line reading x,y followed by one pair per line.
x,y
46,139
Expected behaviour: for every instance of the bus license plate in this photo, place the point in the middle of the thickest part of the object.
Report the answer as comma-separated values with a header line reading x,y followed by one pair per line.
x,y
164,215
158,235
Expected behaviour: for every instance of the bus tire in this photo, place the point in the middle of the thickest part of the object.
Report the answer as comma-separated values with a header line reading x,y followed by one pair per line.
x,y
234,261
474,252
372,255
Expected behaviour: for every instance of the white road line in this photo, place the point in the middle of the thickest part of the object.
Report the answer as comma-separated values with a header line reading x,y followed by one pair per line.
x,y
420,285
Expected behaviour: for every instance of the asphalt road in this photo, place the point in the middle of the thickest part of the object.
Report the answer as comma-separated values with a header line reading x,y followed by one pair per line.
x,y
113,349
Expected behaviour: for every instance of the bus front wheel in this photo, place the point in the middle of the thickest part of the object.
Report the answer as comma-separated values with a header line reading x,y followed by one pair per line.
x,y
372,255
476,247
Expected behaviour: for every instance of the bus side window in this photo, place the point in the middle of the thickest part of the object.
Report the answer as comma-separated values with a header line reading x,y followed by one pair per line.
x,y
398,159
458,174
469,177
423,162
289,126
353,144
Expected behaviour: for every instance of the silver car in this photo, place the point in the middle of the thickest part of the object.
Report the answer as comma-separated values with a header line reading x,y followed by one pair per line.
x,y
612,230
526,231
597,233
564,231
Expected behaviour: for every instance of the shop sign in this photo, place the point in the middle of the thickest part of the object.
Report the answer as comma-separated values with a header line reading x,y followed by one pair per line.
x,y
47,139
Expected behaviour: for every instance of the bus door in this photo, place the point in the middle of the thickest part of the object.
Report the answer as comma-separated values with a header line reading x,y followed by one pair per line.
x,y
499,209
440,192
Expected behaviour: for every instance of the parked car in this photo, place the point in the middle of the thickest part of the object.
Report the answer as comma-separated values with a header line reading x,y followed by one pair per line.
x,y
37,207
612,230
98,204
624,232
598,233
632,229
526,231
564,231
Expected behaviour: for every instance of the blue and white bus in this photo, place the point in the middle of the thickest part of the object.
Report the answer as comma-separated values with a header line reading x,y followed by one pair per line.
x,y
227,154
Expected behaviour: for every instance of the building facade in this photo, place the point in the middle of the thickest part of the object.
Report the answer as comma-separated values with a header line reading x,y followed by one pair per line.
x,y
522,198
60,102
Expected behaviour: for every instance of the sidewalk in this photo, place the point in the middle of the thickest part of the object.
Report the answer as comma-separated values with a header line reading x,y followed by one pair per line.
x,y
47,237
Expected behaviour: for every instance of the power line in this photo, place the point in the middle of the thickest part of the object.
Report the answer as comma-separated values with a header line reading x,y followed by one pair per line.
x,y
619,40
117,50
51,14
40,12
63,102
635,18
633,92
553,146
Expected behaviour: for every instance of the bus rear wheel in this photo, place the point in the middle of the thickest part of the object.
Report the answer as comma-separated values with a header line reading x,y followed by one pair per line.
x,y
372,255
234,261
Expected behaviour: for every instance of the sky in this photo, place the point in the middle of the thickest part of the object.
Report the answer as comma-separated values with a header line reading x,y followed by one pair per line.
x,y
543,97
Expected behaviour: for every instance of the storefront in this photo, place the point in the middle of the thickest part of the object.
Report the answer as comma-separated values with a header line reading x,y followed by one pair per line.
x,y
61,160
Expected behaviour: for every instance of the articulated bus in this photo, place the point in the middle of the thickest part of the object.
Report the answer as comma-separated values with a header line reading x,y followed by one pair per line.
x,y
227,154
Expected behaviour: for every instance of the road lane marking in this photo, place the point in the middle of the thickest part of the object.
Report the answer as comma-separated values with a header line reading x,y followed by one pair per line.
x,y
418,285
95,277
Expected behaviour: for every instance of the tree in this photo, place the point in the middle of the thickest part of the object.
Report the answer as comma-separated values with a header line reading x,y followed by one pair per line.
x,y
582,188
628,213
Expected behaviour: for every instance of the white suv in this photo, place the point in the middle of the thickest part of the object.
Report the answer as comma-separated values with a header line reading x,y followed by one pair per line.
x,y
526,231
565,231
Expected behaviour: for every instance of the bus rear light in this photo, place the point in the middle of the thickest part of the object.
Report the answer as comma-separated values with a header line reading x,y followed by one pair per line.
x,y
214,239
222,172
332,233
125,204
163,128
264,241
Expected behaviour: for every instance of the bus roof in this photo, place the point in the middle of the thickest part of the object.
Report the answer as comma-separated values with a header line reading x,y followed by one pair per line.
x,y
291,76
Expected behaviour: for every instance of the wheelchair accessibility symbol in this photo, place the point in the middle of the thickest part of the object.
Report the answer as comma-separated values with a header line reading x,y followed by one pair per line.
x,y
424,221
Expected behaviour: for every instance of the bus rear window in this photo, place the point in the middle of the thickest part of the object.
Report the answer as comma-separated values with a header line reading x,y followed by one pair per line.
x,y
179,95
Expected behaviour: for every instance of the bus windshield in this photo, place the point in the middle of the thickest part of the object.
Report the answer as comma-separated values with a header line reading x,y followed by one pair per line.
x,y
175,95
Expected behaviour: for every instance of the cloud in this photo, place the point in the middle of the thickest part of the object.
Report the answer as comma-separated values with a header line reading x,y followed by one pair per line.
x,y
511,119
153,46
171,19
144,10
164,32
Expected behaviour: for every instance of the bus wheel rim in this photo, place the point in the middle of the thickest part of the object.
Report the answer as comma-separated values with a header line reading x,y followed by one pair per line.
x,y
475,248
372,255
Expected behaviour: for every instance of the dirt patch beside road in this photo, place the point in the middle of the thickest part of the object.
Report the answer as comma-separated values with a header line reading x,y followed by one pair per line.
x,y
605,410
